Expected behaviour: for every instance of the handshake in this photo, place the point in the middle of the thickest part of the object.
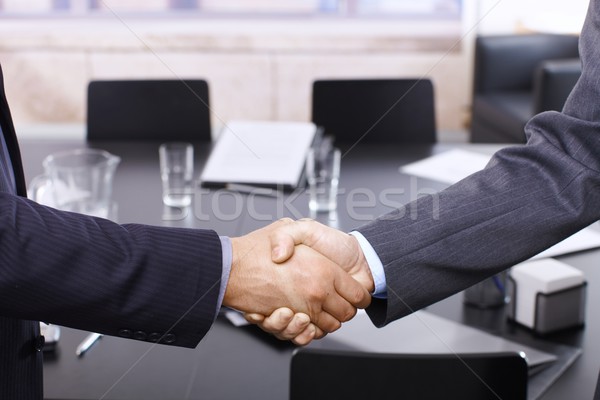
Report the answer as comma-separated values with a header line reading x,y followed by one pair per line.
x,y
298,280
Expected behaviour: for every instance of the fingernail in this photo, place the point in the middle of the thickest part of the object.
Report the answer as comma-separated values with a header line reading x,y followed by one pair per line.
x,y
277,253
253,318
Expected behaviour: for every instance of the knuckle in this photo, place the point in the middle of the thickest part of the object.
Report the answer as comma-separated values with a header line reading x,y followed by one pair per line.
x,y
349,314
316,294
357,295
285,220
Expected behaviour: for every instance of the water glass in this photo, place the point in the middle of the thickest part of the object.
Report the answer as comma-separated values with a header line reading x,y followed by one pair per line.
x,y
177,171
322,173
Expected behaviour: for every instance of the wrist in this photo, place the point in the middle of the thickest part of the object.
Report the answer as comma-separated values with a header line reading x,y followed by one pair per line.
x,y
232,288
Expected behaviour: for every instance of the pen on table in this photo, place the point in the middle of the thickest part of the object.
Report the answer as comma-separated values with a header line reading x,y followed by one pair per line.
x,y
249,189
87,343
499,284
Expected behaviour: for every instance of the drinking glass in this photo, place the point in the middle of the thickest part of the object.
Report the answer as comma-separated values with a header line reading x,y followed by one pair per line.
x,y
176,171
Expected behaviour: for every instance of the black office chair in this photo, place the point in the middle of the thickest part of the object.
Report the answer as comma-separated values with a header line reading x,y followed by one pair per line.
x,y
161,110
375,110
329,374
517,77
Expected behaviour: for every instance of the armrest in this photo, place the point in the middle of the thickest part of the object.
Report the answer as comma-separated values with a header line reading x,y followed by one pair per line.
x,y
553,82
508,62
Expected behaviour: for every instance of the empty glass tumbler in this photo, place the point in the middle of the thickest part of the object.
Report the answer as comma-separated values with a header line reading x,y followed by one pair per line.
x,y
322,173
177,171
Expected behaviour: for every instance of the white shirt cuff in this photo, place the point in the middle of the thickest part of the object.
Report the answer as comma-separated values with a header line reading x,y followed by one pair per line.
x,y
375,265
227,251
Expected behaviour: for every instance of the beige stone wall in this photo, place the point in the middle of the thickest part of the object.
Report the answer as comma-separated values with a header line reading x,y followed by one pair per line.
x,y
255,70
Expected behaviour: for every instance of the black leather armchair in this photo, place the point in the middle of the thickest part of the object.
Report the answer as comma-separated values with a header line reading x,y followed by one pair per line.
x,y
516,77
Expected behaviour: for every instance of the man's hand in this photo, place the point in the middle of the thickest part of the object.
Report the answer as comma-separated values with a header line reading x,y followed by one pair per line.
x,y
285,325
341,248
307,283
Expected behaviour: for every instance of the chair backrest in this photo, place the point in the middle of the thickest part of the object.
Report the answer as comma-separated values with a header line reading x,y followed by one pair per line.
x,y
375,110
166,110
328,374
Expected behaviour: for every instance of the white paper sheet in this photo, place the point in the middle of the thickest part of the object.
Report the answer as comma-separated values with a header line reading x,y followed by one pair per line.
x,y
448,167
260,152
453,165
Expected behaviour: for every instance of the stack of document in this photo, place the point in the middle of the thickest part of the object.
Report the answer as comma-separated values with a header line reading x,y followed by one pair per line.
x,y
260,153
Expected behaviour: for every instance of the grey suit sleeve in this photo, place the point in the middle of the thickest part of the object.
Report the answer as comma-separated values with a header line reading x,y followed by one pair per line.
x,y
130,280
527,199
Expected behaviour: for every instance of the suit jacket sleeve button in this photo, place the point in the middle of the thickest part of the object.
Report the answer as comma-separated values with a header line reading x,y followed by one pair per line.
x,y
124,333
38,343
140,335
169,338
154,337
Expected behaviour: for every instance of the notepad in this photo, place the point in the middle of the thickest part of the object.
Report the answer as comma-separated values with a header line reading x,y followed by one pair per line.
x,y
261,153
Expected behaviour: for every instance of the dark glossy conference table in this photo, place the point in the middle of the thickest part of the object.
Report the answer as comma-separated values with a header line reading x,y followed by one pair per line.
x,y
235,363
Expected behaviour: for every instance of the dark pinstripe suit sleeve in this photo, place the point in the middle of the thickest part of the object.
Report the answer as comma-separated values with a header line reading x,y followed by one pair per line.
x,y
527,199
96,275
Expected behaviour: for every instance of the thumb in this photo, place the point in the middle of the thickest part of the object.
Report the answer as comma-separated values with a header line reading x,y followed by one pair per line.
x,y
282,246
284,238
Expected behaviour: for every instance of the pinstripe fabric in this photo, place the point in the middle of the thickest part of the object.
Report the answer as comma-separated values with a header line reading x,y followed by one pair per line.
x,y
146,282
527,199
20,363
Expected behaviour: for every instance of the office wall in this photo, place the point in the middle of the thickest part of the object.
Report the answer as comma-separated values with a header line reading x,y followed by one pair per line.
x,y
256,70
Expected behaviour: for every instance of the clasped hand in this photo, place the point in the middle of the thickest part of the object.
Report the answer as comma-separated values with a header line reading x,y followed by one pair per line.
x,y
298,280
